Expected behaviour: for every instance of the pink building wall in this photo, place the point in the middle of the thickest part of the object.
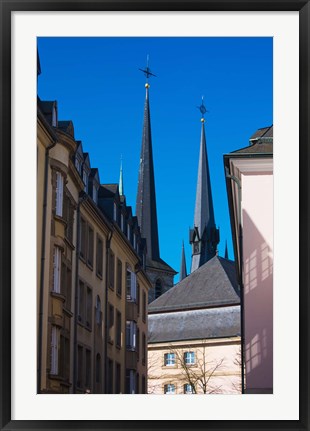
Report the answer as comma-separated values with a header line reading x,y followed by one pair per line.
x,y
257,217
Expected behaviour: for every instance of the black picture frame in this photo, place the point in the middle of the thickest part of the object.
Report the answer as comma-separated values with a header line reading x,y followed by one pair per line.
x,y
6,8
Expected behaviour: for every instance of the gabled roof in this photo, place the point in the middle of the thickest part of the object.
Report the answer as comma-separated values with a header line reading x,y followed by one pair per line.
x,y
47,107
214,284
86,160
67,127
94,175
108,190
194,324
257,148
261,142
263,133
159,264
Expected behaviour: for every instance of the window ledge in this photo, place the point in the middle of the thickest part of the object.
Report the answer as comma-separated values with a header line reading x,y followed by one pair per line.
x,y
90,266
58,296
68,312
70,243
99,275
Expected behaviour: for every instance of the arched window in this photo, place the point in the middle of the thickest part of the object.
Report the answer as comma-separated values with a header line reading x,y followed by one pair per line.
x,y
158,289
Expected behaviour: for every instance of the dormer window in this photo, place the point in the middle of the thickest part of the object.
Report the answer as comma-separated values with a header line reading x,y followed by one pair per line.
x,y
85,181
122,222
128,231
114,211
54,116
78,164
143,260
95,193
134,241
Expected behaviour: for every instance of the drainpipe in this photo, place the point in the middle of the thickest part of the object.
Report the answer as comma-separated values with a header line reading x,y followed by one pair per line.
x,y
105,341
43,243
237,181
82,198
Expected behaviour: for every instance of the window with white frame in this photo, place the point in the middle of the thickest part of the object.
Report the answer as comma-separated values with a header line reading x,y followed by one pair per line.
x,y
189,358
59,193
56,270
55,333
188,389
131,335
169,389
169,359
131,285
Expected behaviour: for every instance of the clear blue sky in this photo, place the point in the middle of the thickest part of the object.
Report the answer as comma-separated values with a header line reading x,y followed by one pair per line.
x,y
98,86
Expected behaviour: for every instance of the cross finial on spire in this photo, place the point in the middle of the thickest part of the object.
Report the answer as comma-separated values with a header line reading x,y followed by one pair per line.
x,y
203,110
147,71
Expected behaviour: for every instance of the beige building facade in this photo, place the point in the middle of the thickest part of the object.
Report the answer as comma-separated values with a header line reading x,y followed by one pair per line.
x,y
195,367
92,287
194,334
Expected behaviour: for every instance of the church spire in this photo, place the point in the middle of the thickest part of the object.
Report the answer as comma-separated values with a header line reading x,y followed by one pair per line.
x,y
146,196
204,237
226,251
183,271
121,183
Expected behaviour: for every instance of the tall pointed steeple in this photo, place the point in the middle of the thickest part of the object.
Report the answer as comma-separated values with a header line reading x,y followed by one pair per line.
x,y
183,271
204,237
146,196
158,271
121,183
226,251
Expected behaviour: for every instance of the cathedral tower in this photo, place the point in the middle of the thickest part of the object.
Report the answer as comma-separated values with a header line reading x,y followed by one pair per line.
x,y
159,272
204,237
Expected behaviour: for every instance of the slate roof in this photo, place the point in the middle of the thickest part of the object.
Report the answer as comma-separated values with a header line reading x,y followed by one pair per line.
x,y
108,190
261,142
264,132
195,324
67,127
159,264
258,148
214,284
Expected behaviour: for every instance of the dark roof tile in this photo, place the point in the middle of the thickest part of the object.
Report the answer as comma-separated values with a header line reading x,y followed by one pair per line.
x,y
211,285
194,324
